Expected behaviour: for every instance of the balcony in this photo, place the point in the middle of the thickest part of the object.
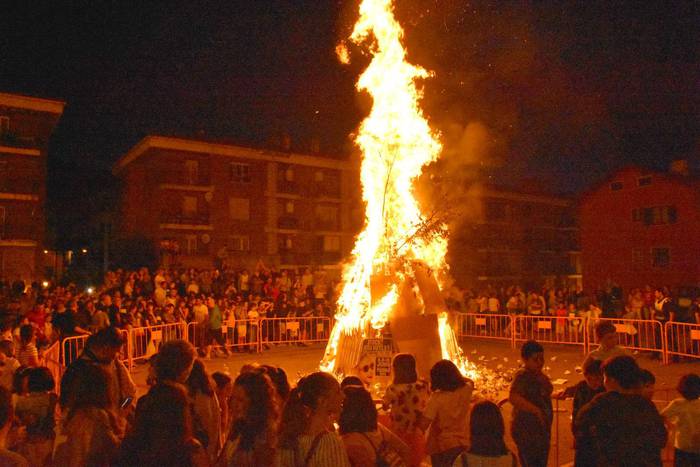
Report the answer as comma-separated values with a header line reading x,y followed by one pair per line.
x,y
325,190
284,186
287,222
183,220
19,185
289,257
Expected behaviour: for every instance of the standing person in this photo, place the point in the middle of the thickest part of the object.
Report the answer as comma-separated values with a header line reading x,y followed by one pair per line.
x,y
101,350
367,442
216,320
207,411
685,414
201,319
306,431
255,406
91,427
619,427
487,431
586,390
446,413
28,355
7,457
606,333
36,412
406,399
162,435
530,395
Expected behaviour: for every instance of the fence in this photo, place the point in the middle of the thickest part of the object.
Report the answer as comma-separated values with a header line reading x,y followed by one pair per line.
x,y
551,330
682,340
145,341
486,326
241,335
295,330
634,334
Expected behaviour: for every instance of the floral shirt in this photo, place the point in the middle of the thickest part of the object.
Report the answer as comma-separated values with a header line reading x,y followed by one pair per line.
x,y
406,403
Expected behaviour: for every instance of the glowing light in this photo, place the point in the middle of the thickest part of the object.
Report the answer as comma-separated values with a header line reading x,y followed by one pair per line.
x,y
45,284
90,290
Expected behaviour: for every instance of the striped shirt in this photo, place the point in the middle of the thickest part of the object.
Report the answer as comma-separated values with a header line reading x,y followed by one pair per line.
x,y
330,451
26,353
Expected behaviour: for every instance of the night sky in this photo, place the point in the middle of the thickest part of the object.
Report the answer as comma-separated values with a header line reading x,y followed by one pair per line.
x,y
556,93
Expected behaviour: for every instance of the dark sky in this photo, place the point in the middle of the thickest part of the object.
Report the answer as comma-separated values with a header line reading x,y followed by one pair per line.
x,y
560,92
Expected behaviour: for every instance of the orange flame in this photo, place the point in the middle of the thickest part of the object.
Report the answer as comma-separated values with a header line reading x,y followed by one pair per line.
x,y
396,143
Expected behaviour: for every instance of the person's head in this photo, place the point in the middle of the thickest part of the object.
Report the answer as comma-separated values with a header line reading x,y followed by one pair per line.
x,y
163,423
255,407
445,376
91,390
532,354
607,334
26,333
404,366
359,414
6,409
620,374
689,386
487,430
279,380
7,348
593,373
647,381
40,379
105,344
174,361
315,395
222,381
199,380
351,381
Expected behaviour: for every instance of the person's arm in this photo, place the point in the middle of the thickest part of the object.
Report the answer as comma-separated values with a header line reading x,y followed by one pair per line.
x,y
396,443
519,402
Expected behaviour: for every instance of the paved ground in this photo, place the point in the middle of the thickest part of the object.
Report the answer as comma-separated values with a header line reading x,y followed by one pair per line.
x,y
561,364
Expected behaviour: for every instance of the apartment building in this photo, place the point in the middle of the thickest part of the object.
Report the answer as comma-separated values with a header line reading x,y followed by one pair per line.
x,y
26,124
205,203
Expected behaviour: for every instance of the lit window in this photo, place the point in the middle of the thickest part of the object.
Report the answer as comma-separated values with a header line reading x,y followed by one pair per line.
x,y
331,243
239,173
239,243
191,172
289,174
289,207
189,206
318,176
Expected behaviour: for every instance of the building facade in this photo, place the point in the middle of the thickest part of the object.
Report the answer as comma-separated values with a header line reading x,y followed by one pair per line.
x,y
26,123
515,238
641,228
203,204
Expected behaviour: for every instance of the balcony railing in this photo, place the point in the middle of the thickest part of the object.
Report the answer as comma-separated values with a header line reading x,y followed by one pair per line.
x,y
187,219
19,185
202,178
284,186
287,222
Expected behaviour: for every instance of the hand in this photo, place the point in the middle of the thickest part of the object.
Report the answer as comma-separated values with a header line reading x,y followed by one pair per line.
x,y
560,394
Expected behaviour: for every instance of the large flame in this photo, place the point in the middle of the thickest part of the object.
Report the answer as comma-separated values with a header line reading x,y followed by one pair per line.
x,y
396,143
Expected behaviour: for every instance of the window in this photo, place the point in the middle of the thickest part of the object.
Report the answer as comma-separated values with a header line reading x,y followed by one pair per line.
x,y
285,242
289,174
644,181
327,216
318,176
191,172
240,173
660,257
616,186
289,207
189,206
659,215
331,243
239,243
239,209
190,246
4,125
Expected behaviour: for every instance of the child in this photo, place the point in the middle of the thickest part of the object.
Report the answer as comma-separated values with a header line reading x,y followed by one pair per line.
x,y
36,412
685,413
446,413
530,395
406,399
586,390
561,313
647,381
8,364
487,429
606,333
28,355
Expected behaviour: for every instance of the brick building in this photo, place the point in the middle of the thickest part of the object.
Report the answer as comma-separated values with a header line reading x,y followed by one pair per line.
x,y
640,227
515,237
202,203
26,123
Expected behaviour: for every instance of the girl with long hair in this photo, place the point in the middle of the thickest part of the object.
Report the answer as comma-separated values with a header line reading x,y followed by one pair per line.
x,y
255,409
162,435
306,432
207,411
406,399
488,448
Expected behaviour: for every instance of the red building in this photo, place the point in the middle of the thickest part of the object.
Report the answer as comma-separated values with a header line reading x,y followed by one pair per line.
x,y
641,228
202,203
26,123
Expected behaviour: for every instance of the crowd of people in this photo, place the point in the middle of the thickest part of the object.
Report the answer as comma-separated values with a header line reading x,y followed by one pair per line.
x,y
189,417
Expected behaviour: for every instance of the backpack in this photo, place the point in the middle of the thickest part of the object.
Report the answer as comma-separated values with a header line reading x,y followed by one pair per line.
x,y
385,454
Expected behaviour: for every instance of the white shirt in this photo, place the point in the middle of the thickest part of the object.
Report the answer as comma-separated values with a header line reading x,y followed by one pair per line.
x,y
686,415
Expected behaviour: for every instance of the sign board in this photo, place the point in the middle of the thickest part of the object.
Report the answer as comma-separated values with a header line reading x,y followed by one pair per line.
x,y
157,335
319,327
695,334
480,321
374,365
542,324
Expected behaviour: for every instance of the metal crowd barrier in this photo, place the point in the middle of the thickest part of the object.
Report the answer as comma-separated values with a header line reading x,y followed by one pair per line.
x,y
240,335
635,334
487,326
551,330
52,361
144,342
292,330
682,340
